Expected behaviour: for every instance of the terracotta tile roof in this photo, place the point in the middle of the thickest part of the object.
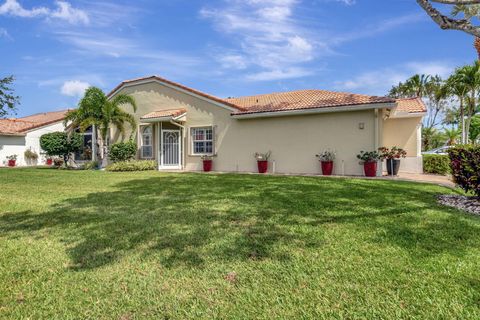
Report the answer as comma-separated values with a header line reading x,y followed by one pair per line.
x,y
303,99
411,105
178,85
21,125
164,113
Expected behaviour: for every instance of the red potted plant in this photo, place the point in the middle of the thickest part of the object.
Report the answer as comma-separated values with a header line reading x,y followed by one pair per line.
x,y
207,163
326,160
369,160
392,156
12,160
49,161
262,161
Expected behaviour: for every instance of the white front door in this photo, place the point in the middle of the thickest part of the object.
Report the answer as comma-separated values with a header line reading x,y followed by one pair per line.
x,y
171,145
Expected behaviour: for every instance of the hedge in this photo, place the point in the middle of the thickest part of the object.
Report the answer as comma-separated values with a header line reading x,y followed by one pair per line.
x,y
123,151
133,165
465,166
436,163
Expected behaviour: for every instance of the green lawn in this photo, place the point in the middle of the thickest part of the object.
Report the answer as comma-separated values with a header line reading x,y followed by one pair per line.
x,y
99,245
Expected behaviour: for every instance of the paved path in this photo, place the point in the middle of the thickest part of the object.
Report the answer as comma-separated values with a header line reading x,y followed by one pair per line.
x,y
421,177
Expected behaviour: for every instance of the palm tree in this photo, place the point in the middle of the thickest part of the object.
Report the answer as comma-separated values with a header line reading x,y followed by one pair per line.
x,y
416,86
451,135
469,77
96,110
459,88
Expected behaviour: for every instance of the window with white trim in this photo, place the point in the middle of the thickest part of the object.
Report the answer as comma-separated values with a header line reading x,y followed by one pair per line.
x,y
202,140
147,143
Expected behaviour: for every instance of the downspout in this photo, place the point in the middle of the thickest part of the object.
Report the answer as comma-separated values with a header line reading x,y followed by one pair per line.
x,y
376,140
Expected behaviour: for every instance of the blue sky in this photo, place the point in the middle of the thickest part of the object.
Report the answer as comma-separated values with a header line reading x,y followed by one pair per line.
x,y
223,47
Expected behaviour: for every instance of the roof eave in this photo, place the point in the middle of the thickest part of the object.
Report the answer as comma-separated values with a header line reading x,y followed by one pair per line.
x,y
160,119
12,134
408,115
283,113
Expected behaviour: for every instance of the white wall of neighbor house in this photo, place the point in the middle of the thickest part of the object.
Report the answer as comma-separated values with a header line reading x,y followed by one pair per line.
x,y
293,140
10,145
405,133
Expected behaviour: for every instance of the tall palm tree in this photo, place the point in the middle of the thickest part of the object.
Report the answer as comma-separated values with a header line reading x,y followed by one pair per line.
x,y
416,86
96,110
459,89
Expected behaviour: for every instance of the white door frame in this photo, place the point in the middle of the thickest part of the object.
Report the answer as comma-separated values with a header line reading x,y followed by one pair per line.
x,y
161,164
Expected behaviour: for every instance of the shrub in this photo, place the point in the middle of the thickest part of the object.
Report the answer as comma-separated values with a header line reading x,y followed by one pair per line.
x,y
61,144
90,165
123,151
436,164
133,165
465,166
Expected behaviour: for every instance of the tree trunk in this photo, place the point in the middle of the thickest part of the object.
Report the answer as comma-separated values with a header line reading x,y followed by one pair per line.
x,y
476,44
461,124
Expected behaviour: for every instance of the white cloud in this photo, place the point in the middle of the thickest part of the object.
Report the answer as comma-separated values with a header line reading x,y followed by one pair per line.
x,y
268,37
4,34
379,82
74,88
279,74
64,11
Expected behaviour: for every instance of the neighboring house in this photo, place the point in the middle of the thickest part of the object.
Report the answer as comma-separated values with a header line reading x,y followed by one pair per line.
x,y
177,125
21,134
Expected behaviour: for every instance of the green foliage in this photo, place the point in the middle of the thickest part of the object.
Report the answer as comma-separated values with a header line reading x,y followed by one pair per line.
x,y
474,133
90,165
61,144
432,139
436,164
368,156
465,166
8,100
392,153
134,165
123,151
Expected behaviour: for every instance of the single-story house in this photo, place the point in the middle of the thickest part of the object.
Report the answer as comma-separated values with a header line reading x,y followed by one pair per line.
x,y
178,124
21,134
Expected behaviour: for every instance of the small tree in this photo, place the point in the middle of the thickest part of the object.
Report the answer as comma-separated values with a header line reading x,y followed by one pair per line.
x,y
123,151
61,144
8,99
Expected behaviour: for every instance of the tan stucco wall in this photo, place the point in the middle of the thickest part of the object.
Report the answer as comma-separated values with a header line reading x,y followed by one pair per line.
x,y
403,133
293,140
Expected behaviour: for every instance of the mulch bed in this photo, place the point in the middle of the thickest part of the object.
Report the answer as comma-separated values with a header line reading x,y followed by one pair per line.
x,y
468,204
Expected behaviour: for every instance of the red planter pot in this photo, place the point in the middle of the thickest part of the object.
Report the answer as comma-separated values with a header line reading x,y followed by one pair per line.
x,y
11,163
327,168
49,162
207,165
262,166
370,169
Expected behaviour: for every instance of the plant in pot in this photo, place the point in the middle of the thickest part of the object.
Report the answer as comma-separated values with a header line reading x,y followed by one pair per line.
x,y
31,157
262,161
207,163
49,161
392,156
12,160
369,160
326,160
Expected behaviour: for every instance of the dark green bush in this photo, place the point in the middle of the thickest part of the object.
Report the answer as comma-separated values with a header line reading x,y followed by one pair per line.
x,y
436,163
465,166
133,165
61,144
123,151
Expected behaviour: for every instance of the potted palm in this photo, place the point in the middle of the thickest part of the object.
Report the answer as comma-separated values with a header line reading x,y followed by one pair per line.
x,y
207,163
326,160
262,161
369,160
392,156
12,160
31,157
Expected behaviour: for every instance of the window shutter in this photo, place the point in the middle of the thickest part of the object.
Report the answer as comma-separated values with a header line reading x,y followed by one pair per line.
x,y
214,140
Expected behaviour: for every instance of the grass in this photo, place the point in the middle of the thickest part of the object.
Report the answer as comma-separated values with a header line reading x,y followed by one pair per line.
x,y
99,245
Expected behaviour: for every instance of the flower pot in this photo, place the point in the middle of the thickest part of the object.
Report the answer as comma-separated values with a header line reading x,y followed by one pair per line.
x,y
11,163
262,166
370,168
49,162
207,165
327,168
393,165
